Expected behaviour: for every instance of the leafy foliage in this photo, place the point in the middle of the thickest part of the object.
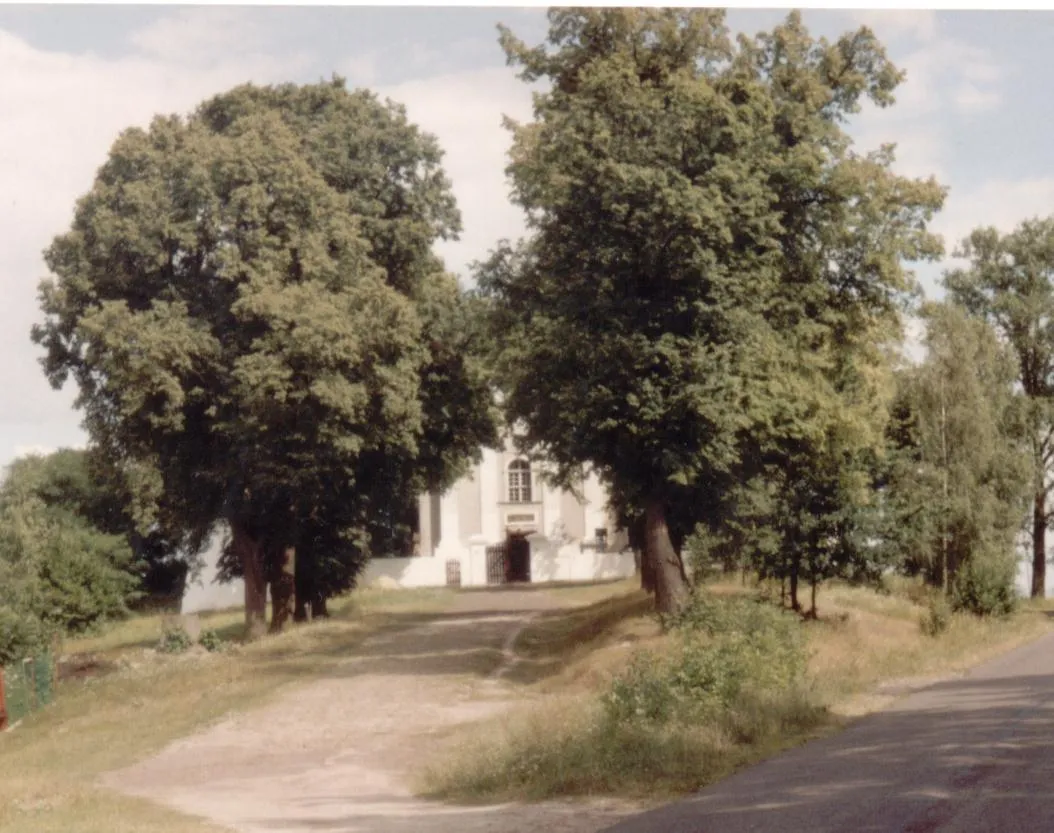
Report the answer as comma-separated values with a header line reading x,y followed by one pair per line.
x,y
174,640
712,271
58,573
1010,284
249,305
729,649
211,641
985,585
958,479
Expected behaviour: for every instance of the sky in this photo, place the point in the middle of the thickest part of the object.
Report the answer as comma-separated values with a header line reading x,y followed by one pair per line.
x,y
975,112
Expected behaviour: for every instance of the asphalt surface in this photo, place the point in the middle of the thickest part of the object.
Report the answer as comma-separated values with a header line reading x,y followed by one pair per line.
x,y
971,754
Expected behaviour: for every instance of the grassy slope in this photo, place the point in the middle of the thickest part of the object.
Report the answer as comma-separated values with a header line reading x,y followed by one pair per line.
x,y
49,764
558,745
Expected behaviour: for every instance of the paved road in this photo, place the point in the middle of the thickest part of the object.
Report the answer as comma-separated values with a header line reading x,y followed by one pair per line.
x,y
973,754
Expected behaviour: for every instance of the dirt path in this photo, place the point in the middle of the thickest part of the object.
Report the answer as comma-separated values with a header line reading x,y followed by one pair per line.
x,y
334,755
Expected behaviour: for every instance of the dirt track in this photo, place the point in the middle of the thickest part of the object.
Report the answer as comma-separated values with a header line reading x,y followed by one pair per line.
x,y
334,755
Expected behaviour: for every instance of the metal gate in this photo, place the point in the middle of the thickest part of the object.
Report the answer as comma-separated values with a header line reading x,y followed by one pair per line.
x,y
497,558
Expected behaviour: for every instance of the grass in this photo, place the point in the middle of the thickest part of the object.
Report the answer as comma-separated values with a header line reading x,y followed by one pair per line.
x,y
103,721
561,742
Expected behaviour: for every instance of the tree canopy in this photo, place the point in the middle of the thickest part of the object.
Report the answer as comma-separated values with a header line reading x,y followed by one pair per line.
x,y
1010,283
959,470
711,271
249,304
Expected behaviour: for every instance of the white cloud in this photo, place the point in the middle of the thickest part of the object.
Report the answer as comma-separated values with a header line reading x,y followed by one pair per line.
x,y
464,111
361,70
945,78
969,98
999,202
62,112
889,24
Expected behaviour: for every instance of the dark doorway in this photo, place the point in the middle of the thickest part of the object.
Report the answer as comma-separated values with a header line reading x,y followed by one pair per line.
x,y
518,558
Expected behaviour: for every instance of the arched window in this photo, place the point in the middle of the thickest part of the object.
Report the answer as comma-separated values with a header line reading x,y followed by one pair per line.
x,y
519,481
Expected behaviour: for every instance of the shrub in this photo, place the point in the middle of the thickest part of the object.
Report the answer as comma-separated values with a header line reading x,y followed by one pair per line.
x,y
21,635
211,641
174,640
83,578
642,692
726,650
58,571
937,618
984,586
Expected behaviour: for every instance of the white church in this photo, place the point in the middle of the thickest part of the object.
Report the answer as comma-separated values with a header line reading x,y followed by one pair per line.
x,y
503,523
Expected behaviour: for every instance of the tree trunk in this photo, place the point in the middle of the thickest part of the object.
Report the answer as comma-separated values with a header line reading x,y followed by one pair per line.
x,y
636,542
318,606
813,612
1039,545
250,555
283,589
647,572
303,581
795,604
671,584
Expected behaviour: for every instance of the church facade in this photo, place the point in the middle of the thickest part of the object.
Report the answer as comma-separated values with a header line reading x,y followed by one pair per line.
x,y
502,523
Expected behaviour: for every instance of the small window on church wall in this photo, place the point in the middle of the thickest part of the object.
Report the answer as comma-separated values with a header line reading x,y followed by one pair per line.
x,y
519,481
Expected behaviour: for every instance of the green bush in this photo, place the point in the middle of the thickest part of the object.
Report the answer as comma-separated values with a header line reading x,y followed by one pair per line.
x,y
174,640
727,651
83,578
58,574
21,635
211,641
642,692
937,618
984,586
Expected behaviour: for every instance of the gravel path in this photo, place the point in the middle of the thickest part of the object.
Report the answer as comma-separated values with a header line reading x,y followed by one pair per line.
x,y
334,755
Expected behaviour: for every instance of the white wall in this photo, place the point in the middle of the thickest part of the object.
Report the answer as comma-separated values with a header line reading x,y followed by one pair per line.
x,y
551,561
204,592
404,572
556,561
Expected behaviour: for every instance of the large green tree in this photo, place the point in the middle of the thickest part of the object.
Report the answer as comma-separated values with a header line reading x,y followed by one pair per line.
x,y
250,306
959,467
710,267
1010,283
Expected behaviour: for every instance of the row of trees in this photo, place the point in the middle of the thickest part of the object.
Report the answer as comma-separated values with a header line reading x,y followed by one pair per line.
x,y
705,311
